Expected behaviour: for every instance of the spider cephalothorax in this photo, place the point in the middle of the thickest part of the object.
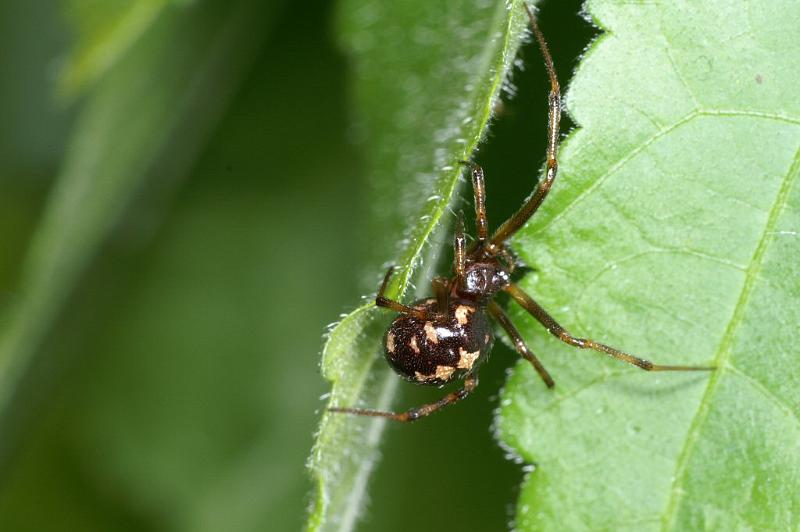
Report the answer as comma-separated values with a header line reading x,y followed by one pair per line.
x,y
482,280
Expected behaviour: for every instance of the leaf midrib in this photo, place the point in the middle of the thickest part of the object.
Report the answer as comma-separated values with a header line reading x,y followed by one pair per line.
x,y
485,117
724,351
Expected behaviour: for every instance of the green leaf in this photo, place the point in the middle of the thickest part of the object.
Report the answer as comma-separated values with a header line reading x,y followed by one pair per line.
x,y
426,82
105,31
146,118
672,232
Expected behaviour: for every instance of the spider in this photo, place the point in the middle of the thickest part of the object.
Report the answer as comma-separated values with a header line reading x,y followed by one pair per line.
x,y
445,338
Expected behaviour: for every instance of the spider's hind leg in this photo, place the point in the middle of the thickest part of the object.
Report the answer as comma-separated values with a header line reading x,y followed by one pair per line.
x,y
470,383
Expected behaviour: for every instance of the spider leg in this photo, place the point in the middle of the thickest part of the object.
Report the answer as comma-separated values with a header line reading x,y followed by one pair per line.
x,y
382,301
479,189
470,383
441,287
531,205
519,343
459,252
511,262
562,334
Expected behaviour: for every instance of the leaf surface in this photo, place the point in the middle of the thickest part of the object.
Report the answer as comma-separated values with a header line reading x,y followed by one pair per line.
x,y
671,232
426,80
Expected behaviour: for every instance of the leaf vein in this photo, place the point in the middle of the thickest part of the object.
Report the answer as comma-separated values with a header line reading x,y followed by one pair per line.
x,y
767,393
678,73
724,351
617,166
652,139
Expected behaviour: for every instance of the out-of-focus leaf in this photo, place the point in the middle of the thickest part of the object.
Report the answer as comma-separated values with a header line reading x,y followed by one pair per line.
x,y
427,77
672,232
147,117
190,399
105,31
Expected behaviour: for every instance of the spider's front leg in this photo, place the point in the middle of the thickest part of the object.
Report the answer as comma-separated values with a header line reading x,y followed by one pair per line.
x,y
527,302
531,205
382,301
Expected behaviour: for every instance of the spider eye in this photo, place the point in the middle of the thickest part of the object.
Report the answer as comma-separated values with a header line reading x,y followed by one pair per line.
x,y
484,280
476,280
501,278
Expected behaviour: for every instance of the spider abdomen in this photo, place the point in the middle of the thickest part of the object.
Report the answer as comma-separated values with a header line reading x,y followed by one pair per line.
x,y
441,349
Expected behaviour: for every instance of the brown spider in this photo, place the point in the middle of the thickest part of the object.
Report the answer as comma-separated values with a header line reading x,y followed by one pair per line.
x,y
438,340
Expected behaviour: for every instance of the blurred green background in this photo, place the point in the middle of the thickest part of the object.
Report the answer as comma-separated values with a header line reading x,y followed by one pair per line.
x,y
179,388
